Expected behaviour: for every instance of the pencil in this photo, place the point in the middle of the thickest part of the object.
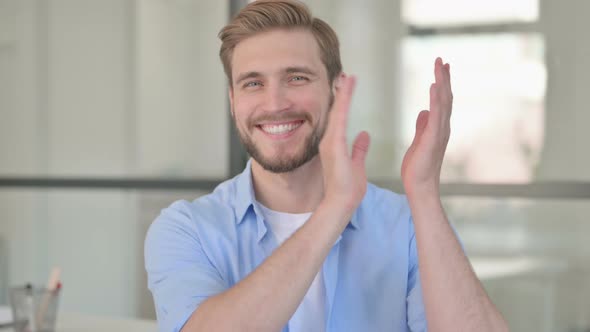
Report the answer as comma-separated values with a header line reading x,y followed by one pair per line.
x,y
53,285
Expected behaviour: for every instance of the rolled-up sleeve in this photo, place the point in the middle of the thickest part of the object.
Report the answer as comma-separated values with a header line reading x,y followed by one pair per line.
x,y
180,275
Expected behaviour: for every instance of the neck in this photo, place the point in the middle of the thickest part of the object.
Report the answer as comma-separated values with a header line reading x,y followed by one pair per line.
x,y
298,191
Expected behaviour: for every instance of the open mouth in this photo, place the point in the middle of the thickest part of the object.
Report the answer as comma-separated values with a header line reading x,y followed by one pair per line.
x,y
280,129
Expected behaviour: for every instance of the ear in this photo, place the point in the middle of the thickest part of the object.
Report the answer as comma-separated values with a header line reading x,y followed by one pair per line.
x,y
338,82
231,100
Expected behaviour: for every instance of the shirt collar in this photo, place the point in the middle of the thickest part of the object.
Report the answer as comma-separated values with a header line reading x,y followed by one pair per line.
x,y
244,192
245,197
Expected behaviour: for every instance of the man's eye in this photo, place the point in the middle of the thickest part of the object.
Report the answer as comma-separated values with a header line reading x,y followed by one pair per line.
x,y
251,84
299,78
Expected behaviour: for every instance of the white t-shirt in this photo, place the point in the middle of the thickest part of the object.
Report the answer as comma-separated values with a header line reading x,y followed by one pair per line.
x,y
311,313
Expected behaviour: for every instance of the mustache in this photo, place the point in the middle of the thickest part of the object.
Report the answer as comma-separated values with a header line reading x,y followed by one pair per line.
x,y
279,117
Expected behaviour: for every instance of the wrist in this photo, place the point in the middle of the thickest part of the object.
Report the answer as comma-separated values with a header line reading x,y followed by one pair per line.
x,y
335,209
424,190
425,205
424,197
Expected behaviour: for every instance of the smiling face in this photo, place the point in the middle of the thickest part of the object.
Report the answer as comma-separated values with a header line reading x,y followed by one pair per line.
x,y
280,97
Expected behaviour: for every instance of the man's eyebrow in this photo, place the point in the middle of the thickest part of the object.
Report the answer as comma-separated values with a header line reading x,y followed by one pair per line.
x,y
247,75
301,69
288,70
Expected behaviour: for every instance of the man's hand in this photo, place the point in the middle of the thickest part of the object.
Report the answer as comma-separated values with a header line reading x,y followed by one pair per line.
x,y
345,179
454,299
423,160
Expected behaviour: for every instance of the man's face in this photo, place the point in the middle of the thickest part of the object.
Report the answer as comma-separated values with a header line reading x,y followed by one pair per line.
x,y
280,97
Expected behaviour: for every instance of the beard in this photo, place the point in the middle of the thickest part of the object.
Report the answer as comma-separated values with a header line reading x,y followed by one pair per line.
x,y
284,164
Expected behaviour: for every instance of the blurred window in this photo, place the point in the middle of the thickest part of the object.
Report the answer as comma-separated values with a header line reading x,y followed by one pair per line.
x,y
499,82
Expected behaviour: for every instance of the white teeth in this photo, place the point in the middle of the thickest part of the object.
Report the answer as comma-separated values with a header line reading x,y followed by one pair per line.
x,y
280,129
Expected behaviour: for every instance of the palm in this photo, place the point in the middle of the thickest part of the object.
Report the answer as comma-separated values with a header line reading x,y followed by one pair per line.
x,y
345,179
423,160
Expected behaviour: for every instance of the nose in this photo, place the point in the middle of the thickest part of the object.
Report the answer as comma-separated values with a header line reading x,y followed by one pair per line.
x,y
276,98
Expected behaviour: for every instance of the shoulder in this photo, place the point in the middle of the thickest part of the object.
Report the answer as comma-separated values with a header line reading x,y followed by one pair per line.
x,y
185,218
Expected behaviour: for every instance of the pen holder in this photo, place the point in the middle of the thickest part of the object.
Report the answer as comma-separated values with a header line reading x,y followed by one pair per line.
x,y
34,309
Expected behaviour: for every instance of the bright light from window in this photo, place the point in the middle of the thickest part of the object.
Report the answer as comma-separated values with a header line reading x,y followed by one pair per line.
x,y
460,12
499,85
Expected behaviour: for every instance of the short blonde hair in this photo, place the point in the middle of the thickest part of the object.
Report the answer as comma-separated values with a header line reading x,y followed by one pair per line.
x,y
264,15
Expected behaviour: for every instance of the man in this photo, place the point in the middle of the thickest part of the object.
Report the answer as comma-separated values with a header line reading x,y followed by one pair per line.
x,y
299,241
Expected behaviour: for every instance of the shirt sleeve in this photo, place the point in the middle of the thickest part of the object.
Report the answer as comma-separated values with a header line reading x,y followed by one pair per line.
x,y
180,275
414,300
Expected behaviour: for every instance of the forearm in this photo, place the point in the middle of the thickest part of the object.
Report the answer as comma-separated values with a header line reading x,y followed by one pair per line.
x,y
453,296
267,298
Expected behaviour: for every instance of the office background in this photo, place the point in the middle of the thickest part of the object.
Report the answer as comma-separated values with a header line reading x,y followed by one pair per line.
x,y
112,109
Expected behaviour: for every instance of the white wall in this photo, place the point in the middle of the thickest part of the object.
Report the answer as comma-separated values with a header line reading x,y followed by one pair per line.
x,y
21,138
566,154
69,115
182,113
102,88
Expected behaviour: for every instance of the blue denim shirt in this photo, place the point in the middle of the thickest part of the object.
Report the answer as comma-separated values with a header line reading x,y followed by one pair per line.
x,y
198,249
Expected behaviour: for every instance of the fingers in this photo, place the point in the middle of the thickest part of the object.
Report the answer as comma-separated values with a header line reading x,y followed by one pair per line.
x,y
339,113
421,123
441,101
442,73
360,148
335,137
434,100
438,71
438,115
443,98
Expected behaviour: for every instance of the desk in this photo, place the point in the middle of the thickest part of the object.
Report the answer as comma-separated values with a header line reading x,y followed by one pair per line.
x,y
73,322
